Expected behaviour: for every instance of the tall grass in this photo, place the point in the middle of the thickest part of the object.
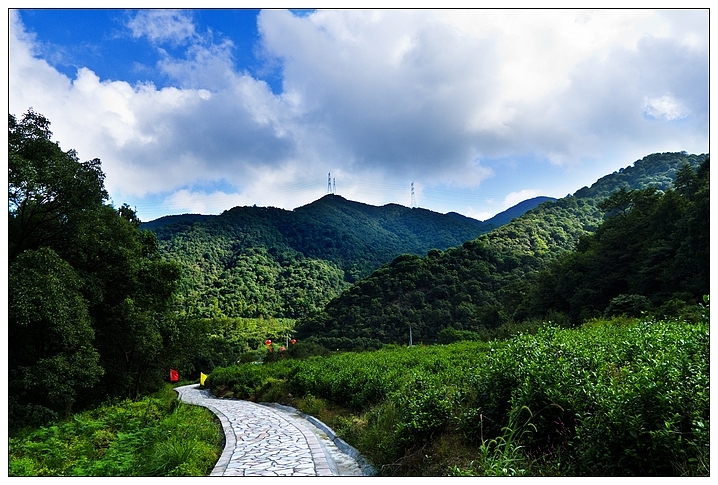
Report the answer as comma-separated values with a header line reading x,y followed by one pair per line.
x,y
157,436
619,397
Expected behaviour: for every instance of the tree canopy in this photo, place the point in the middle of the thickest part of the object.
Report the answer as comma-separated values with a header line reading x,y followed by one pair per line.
x,y
651,251
654,244
89,295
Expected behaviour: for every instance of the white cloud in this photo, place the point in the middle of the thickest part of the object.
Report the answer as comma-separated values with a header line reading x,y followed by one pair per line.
x,y
153,140
392,89
479,215
205,66
380,97
163,25
515,197
203,203
665,108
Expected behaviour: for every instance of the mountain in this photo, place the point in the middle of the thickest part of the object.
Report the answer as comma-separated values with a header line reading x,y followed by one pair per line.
x,y
516,211
482,283
177,219
265,261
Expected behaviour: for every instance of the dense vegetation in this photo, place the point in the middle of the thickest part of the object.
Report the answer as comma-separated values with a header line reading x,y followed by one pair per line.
x,y
652,252
151,437
89,295
619,397
263,261
100,307
506,277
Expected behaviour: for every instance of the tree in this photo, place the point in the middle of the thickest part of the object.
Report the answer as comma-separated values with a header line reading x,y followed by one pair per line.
x,y
51,357
46,186
652,248
90,297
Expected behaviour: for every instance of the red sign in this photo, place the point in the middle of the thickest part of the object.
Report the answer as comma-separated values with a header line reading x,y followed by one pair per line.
x,y
174,375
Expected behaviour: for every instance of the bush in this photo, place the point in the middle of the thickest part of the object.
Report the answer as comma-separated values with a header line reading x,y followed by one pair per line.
x,y
628,305
450,335
615,397
623,398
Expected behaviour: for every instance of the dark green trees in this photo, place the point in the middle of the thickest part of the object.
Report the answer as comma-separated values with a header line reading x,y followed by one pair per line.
x,y
50,335
47,187
652,251
88,314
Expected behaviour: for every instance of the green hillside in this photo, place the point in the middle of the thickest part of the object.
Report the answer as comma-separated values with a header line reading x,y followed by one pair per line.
x,y
485,282
516,211
264,261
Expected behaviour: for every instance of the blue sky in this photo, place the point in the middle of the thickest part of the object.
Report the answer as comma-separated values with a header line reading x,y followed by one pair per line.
x,y
203,110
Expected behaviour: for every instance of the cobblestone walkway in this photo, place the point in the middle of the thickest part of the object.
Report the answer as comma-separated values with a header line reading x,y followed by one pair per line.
x,y
269,441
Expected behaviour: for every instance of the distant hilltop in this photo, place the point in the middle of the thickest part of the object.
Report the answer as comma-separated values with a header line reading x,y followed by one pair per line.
x,y
498,220
251,261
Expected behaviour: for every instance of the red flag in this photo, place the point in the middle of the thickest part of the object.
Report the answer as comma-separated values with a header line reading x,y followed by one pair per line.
x,y
174,375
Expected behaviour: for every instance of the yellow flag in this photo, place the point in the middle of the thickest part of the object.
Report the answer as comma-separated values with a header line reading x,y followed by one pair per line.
x,y
202,377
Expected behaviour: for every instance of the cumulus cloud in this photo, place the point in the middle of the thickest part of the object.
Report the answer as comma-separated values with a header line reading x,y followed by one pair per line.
x,y
153,140
415,92
193,202
666,107
391,96
391,89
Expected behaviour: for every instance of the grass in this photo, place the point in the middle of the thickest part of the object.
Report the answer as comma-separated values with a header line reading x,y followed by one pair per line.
x,y
157,436
616,397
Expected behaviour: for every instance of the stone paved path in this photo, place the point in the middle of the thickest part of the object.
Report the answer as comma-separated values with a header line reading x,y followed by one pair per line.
x,y
270,441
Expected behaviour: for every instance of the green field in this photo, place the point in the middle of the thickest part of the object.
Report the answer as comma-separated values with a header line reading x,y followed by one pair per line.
x,y
620,397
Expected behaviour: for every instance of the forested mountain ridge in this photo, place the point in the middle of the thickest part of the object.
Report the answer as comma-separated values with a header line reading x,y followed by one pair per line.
x,y
484,282
516,211
265,261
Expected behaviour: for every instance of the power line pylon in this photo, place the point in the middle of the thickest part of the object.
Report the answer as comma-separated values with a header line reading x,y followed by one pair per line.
x,y
413,197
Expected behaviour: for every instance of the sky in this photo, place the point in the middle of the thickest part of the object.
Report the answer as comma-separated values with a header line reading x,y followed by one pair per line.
x,y
202,110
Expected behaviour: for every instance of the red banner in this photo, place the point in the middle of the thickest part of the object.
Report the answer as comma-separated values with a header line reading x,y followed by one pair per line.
x,y
174,375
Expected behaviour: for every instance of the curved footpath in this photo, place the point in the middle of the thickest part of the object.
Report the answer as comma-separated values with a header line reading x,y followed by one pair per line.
x,y
274,440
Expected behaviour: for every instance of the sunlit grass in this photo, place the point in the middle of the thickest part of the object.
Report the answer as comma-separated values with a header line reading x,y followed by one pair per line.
x,y
157,436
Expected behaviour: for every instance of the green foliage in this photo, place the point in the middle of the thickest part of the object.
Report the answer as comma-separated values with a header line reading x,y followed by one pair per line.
x,y
89,296
628,305
48,189
262,261
51,356
654,244
156,436
619,397
503,455
220,342
651,250
450,335
248,381
622,398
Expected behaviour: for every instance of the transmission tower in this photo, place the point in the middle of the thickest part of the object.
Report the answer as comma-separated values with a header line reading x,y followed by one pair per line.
x,y
334,188
329,183
413,197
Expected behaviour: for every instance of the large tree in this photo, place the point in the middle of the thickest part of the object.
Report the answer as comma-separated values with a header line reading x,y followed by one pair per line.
x,y
89,295
50,336
47,187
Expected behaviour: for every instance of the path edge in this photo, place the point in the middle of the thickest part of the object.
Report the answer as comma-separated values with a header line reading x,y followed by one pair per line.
x,y
366,467
230,440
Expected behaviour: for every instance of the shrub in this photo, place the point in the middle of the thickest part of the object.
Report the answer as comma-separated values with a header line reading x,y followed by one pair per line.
x,y
628,305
